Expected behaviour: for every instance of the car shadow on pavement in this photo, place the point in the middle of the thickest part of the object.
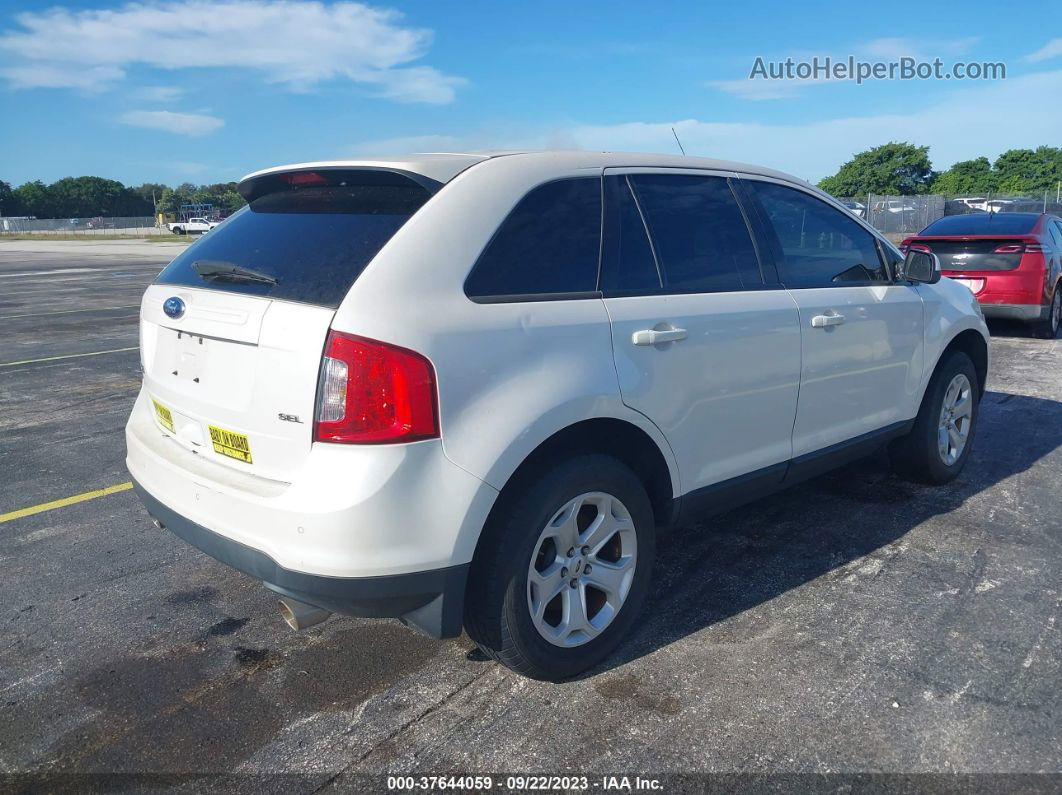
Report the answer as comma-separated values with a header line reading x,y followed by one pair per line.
x,y
717,569
1011,328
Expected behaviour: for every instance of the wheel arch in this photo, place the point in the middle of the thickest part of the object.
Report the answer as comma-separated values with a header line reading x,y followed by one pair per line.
x,y
973,344
610,436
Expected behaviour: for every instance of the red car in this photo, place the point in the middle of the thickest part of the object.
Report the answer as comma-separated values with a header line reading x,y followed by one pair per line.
x,y
1011,262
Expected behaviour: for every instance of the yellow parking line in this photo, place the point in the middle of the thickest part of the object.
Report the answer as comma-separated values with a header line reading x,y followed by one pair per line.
x,y
67,356
69,311
51,506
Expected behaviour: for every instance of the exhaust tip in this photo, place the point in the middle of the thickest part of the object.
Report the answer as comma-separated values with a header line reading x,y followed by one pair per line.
x,y
299,615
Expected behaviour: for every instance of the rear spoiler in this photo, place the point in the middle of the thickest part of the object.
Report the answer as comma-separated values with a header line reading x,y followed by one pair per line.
x,y
291,179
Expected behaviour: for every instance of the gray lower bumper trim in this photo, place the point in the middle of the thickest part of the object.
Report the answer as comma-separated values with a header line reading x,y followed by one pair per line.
x,y
432,601
1026,312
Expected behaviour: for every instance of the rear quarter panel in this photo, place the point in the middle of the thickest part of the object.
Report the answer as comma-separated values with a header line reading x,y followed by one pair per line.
x,y
509,375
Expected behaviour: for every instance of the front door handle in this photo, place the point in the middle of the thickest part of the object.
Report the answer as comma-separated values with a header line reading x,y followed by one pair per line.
x,y
652,336
822,321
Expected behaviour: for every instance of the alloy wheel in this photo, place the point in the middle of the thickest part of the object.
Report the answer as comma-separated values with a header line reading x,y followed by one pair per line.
x,y
956,415
581,569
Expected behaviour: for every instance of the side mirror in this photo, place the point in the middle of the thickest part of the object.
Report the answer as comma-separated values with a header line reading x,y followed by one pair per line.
x,y
921,266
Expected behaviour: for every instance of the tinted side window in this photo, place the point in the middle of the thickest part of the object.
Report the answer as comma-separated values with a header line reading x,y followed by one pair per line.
x,y
629,267
820,246
1056,234
698,233
549,243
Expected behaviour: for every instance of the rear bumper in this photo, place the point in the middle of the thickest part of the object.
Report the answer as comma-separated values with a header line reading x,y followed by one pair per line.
x,y
351,511
1026,312
432,601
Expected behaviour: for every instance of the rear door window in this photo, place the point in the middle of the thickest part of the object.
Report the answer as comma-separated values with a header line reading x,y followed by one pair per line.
x,y
677,233
549,245
819,245
1056,235
313,242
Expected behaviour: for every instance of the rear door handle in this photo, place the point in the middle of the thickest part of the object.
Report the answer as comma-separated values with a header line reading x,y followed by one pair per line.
x,y
651,336
822,321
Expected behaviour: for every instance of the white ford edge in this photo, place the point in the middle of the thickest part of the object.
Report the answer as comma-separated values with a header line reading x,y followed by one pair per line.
x,y
467,390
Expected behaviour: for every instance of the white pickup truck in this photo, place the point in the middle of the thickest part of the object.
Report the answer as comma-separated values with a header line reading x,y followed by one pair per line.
x,y
192,226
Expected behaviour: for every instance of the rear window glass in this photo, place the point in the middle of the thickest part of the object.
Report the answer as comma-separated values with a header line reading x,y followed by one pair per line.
x,y
550,243
983,224
314,241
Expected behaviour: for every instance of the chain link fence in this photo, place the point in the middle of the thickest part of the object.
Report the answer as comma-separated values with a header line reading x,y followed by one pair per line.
x,y
82,227
905,215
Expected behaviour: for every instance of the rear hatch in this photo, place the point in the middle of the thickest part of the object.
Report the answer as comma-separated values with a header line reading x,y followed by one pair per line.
x,y
975,254
232,331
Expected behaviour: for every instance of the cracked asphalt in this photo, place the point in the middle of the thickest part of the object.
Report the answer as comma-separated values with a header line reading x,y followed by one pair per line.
x,y
854,624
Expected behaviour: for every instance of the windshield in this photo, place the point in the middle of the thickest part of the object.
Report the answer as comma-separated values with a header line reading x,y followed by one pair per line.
x,y
309,244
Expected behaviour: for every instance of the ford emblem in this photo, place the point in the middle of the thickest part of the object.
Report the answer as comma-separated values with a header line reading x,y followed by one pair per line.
x,y
173,307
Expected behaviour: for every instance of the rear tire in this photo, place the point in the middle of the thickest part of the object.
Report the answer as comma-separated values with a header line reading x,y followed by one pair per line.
x,y
936,448
1048,328
538,608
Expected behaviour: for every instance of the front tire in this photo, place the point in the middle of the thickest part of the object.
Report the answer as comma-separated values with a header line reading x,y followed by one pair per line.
x,y
936,448
563,571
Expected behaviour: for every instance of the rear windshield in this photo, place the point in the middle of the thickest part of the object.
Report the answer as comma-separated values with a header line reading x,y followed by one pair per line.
x,y
983,224
314,241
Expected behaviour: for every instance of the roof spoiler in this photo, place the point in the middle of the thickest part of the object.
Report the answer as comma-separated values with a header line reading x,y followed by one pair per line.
x,y
306,176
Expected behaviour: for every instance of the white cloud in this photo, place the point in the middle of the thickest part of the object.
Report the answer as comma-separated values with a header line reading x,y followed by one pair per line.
x,y
412,143
159,93
923,49
194,124
42,75
957,128
296,44
759,89
188,167
1052,49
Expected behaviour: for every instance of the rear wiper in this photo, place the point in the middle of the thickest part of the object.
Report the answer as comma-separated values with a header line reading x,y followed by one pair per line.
x,y
230,272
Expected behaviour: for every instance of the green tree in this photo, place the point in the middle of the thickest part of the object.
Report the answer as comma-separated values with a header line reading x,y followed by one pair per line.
x,y
231,201
1029,170
88,197
35,199
149,194
167,201
967,178
892,169
1015,185
9,203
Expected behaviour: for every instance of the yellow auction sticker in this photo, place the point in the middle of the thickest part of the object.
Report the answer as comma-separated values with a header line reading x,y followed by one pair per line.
x,y
234,445
164,416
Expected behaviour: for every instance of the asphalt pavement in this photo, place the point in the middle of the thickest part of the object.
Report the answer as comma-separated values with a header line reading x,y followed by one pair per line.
x,y
854,624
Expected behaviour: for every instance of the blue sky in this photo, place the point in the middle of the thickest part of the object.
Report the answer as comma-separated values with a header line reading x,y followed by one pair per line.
x,y
189,90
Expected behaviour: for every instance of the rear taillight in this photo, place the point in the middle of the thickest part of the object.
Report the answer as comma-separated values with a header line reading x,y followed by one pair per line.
x,y
370,392
903,246
1010,248
1033,247
920,247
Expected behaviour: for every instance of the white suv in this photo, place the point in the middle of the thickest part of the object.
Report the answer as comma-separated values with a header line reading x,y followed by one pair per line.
x,y
467,390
